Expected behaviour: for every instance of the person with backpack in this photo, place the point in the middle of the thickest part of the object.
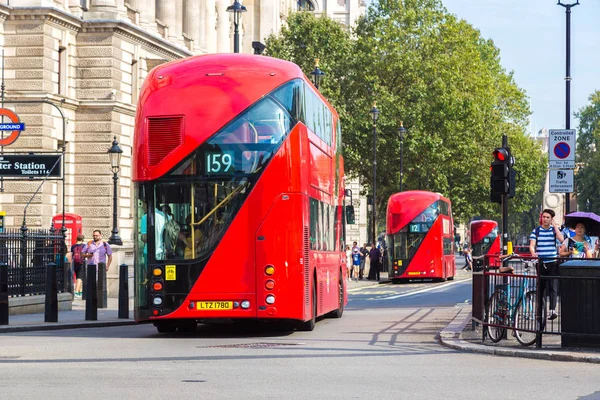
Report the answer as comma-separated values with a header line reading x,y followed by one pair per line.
x,y
76,258
542,244
98,251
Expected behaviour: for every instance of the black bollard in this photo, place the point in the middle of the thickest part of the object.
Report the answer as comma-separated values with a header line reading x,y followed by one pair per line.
x,y
102,294
3,294
51,310
123,291
91,297
83,279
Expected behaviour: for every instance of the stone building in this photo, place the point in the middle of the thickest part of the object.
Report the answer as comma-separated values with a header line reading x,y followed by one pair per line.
x,y
89,58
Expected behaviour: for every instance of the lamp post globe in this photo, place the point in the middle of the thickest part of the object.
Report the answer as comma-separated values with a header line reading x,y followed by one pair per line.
x,y
237,9
317,74
401,134
114,153
375,115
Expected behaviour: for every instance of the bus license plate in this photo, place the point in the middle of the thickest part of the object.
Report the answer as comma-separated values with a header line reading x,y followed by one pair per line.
x,y
214,305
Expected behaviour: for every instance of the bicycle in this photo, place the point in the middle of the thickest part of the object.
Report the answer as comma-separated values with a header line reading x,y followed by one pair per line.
x,y
520,314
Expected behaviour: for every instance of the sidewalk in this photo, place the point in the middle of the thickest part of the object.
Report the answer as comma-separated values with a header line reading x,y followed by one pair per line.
x,y
460,335
70,319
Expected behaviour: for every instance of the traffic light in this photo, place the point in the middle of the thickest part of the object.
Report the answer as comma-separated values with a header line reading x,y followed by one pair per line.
x,y
502,175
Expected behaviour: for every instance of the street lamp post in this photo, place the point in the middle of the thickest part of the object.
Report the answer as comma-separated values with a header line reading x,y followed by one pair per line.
x,y
237,9
375,114
317,74
568,82
401,133
114,154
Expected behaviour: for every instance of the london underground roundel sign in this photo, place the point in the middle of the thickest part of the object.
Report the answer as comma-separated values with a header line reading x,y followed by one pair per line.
x,y
14,127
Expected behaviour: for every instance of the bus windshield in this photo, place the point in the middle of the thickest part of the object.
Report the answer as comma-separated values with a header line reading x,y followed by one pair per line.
x,y
193,205
485,244
406,242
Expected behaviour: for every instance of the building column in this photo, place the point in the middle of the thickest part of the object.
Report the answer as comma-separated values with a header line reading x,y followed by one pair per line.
x,y
168,11
209,24
147,10
106,9
223,38
192,25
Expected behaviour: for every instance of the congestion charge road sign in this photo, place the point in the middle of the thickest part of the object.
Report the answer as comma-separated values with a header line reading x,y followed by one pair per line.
x,y
561,148
15,127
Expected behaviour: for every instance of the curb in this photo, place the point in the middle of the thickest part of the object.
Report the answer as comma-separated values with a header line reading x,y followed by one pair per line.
x,y
48,326
450,337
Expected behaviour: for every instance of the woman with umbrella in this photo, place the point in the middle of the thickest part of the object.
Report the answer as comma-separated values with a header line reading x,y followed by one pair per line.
x,y
590,226
576,246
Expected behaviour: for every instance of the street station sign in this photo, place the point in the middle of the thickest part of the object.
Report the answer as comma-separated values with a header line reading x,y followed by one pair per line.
x,y
561,181
30,165
561,148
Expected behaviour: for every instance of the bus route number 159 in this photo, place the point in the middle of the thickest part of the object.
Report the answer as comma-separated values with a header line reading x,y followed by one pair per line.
x,y
219,163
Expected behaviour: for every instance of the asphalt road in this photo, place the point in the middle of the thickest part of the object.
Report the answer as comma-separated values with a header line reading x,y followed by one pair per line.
x,y
384,347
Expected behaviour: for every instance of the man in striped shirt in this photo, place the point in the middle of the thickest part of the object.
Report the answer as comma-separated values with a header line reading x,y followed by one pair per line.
x,y
542,244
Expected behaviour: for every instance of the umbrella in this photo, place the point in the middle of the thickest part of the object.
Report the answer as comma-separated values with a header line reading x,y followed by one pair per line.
x,y
591,221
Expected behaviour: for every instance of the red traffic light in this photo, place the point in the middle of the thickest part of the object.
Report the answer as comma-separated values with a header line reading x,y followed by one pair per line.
x,y
501,154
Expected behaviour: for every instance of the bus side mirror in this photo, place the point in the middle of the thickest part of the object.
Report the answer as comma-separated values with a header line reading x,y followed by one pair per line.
x,y
350,214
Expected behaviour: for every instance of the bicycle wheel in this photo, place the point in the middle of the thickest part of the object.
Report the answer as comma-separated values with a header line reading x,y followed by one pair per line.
x,y
496,315
525,319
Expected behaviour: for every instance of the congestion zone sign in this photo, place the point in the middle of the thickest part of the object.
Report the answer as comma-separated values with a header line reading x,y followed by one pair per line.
x,y
14,126
561,148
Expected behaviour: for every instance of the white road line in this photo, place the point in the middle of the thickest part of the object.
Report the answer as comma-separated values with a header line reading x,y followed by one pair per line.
x,y
429,289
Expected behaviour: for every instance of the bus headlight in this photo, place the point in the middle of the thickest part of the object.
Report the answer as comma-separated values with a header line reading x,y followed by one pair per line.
x,y
270,299
157,301
245,304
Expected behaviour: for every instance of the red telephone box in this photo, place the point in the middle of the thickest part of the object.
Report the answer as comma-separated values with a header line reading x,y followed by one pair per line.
x,y
72,223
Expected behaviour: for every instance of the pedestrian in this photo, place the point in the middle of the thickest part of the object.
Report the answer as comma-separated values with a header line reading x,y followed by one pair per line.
x,y
374,258
468,260
356,262
569,232
576,246
349,262
98,252
363,255
542,244
76,258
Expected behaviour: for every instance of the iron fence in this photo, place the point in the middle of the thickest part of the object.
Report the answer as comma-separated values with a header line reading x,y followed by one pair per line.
x,y
27,252
521,301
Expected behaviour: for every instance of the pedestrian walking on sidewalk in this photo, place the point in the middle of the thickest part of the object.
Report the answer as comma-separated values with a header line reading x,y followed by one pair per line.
x,y
76,258
349,262
375,259
364,252
98,252
542,244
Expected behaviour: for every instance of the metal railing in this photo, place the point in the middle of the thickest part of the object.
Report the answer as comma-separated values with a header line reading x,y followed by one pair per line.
x,y
27,252
511,301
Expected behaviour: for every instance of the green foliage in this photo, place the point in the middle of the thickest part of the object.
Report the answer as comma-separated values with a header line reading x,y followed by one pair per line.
x,y
588,159
435,73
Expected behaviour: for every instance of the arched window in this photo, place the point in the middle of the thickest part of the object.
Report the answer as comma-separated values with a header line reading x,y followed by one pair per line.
x,y
305,5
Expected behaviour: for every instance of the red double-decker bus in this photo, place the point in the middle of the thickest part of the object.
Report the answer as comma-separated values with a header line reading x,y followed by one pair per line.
x,y
485,239
420,232
239,181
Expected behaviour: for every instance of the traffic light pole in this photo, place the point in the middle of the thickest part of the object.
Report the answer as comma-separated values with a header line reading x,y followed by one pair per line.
x,y
504,210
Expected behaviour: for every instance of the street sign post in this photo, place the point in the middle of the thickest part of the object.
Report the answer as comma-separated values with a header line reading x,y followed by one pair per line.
x,y
561,148
30,166
561,181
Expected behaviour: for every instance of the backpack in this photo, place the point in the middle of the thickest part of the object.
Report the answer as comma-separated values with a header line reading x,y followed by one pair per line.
x,y
171,235
78,254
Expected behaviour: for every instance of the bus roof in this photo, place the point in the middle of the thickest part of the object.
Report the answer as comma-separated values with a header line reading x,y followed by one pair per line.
x,y
409,205
201,94
481,228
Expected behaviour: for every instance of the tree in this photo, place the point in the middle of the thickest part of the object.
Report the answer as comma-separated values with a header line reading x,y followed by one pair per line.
x,y
588,159
434,72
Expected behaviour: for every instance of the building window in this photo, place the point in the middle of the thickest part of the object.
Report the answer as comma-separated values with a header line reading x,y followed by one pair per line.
x,y
305,5
62,70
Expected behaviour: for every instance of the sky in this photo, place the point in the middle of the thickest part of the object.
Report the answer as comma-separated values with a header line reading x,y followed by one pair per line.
x,y
531,36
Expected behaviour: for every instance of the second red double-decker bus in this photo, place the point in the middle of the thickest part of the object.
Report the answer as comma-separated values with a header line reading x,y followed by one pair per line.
x,y
420,232
239,181
484,239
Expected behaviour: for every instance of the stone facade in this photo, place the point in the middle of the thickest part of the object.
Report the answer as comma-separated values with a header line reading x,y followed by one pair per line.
x,y
89,58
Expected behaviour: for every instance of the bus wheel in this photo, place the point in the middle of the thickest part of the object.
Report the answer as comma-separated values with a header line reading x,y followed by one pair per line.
x,y
451,278
310,324
340,310
399,280
165,327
